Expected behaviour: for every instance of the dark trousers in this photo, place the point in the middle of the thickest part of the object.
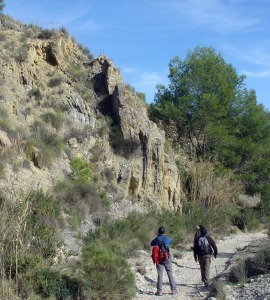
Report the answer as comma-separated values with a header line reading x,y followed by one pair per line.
x,y
205,262
168,267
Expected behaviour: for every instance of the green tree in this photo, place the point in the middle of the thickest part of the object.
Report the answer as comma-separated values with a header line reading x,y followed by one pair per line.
x,y
2,5
203,92
214,116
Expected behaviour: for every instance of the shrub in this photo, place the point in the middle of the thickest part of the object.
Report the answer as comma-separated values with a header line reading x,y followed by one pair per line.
x,y
106,275
21,54
2,36
55,81
47,34
238,272
81,171
42,223
246,218
219,290
2,169
77,72
120,145
48,283
56,120
78,197
116,235
36,93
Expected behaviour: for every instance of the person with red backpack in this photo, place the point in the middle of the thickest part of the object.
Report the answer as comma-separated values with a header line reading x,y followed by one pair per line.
x,y
204,247
162,259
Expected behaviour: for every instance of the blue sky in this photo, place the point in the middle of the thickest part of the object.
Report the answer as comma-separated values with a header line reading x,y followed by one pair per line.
x,y
142,36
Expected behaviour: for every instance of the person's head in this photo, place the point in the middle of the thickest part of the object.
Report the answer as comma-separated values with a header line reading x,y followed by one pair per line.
x,y
161,230
203,230
198,227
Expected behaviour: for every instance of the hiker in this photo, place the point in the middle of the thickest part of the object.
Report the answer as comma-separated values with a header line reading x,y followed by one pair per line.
x,y
204,247
167,264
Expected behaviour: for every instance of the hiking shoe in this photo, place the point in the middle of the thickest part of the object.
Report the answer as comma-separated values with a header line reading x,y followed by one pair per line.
x,y
174,292
158,294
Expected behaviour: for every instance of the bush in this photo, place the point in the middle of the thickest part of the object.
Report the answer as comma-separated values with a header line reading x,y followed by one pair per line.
x,y
21,54
55,81
78,197
247,218
125,236
2,36
252,266
36,93
81,171
48,146
42,223
120,145
47,34
47,283
106,275
56,120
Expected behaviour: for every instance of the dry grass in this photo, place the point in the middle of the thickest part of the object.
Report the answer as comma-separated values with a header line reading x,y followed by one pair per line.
x,y
209,189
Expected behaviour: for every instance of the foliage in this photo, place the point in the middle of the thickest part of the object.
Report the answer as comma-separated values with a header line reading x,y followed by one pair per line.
x,y
81,171
47,282
53,118
216,118
2,5
28,237
106,275
120,145
78,195
251,266
2,37
36,93
42,223
55,81
44,146
46,34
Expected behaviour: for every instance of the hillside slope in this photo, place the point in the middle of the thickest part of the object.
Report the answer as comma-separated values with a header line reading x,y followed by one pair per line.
x,y
52,89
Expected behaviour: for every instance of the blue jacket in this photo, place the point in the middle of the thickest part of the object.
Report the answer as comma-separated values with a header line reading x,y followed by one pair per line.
x,y
158,239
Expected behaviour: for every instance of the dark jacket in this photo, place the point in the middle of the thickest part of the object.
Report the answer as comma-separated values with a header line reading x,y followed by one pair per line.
x,y
211,242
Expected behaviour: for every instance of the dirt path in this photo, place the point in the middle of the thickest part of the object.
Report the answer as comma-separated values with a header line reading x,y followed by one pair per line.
x,y
186,270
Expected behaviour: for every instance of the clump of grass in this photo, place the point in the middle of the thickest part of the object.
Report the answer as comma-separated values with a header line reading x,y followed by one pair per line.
x,y
55,119
219,290
2,37
36,93
55,81
46,34
112,278
44,146
120,145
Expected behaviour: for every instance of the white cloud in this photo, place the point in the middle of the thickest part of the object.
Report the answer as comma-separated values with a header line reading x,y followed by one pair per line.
x,y
258,74
222,17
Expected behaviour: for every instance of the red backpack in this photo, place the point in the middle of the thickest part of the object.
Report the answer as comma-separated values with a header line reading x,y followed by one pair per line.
x,y
160,253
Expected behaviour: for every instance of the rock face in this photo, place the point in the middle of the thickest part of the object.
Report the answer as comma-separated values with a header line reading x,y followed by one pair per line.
x,y
148,175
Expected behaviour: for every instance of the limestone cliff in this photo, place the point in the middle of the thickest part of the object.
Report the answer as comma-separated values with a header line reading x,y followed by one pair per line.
x,y
53,75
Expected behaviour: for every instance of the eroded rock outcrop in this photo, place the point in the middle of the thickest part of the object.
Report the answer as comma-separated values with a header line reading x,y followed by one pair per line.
x,y
148,176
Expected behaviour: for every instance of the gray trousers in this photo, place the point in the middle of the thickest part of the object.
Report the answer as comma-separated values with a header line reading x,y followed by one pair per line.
x,y
205,262
168,267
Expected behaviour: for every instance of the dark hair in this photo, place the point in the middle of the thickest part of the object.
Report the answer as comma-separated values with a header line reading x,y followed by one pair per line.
x,y
203,230
161,230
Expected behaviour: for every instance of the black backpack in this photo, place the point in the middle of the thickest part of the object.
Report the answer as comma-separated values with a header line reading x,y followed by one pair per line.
x,y
203,246
163,252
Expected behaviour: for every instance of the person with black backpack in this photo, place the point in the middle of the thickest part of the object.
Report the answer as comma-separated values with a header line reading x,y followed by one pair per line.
x,y
162,259
204,247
